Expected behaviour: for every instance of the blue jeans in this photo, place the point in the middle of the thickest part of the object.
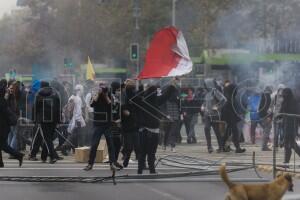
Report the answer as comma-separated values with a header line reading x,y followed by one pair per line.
x,y
98,132
12,138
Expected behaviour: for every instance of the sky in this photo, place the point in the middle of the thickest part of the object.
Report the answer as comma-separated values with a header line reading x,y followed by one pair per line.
x,y
6,6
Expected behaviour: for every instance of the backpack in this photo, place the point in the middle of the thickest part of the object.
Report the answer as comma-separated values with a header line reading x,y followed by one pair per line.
x,y
68,110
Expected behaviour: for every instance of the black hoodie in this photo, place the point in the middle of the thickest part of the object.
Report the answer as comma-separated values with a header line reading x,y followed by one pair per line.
x,y
47,108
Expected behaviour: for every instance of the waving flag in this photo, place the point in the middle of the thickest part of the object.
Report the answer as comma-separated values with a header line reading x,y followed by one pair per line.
x,y
167,55
90,72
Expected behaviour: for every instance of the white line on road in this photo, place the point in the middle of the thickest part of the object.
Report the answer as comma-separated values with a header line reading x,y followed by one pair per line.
x,y
159,192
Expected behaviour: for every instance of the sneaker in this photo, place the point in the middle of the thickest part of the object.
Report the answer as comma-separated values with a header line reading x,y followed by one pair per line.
x,y
266,149
1,164
32,158
59,158
88,167
173,150
52,161
240,150
118,165
210,149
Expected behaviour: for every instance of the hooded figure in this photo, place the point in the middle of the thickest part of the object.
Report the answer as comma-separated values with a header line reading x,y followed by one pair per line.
x,y
77,120
289,123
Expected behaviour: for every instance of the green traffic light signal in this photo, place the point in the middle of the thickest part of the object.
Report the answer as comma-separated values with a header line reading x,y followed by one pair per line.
x,y
134,52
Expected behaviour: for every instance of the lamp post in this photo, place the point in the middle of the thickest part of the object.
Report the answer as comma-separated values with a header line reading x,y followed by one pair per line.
x,y
174,12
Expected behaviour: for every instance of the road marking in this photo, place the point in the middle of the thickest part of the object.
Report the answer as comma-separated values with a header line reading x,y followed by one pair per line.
x,y
159,192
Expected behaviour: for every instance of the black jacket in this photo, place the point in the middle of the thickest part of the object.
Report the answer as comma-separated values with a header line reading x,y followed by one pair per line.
x,y
229,113
47,107
4,125
264,105
147,104
102,112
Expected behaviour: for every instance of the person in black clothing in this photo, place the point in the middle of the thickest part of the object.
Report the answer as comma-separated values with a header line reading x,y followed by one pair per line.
x,y
149,121
5,127
129,125
47,115
289,124
231,118
190,109
101,103
116,117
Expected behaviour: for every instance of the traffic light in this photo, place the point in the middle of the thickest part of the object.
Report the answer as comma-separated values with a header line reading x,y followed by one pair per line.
x,y
134,52
68,62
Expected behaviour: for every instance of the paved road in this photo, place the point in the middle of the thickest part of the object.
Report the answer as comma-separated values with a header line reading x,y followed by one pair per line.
x,y
198,188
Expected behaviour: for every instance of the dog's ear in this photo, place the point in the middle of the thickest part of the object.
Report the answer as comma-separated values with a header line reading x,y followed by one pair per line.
x,y
278,174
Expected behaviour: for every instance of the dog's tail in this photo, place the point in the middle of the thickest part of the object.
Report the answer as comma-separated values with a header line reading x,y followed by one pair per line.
x,y
224,176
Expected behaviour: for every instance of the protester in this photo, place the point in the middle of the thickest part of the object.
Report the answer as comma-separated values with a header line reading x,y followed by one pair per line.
x,y
7,119
231,118
101,103
213,102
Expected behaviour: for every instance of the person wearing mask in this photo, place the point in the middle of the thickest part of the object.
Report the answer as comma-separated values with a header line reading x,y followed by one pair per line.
x,y
214,100
5,123
47,115
290,124
278,126
149,117
190,108
231,118
265,118
129,124
173,113
116,119
101,102
77,121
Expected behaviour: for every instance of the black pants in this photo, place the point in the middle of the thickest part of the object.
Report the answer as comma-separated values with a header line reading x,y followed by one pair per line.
x,y
232,130
131,143
117,142
98,132
171,133
208,123
46,142
149,143
289,144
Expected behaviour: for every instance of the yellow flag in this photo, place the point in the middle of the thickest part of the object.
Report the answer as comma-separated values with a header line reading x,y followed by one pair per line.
x,y
90,72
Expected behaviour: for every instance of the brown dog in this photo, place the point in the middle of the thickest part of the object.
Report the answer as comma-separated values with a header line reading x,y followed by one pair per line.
x,y
271,191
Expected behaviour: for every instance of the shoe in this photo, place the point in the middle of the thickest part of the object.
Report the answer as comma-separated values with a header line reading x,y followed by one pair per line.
x,y
194,140
58,148
210,149
44,161
240,150
52,161
20,159
118,165
12,157
1,164
32,158
173,150
125,162
59,158
88,167
219,150
153,172
189,141
140,171
266,149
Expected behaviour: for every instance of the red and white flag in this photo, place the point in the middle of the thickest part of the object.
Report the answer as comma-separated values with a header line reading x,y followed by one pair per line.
x,y
167,55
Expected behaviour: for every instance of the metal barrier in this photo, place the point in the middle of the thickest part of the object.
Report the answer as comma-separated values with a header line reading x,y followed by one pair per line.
x,y
278,128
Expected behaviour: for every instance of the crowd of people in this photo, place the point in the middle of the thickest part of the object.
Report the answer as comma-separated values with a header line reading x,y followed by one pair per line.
x,y
137,118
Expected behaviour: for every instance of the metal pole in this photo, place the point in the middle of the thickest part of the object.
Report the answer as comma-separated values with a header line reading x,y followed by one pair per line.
x,y
174,12
275,142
